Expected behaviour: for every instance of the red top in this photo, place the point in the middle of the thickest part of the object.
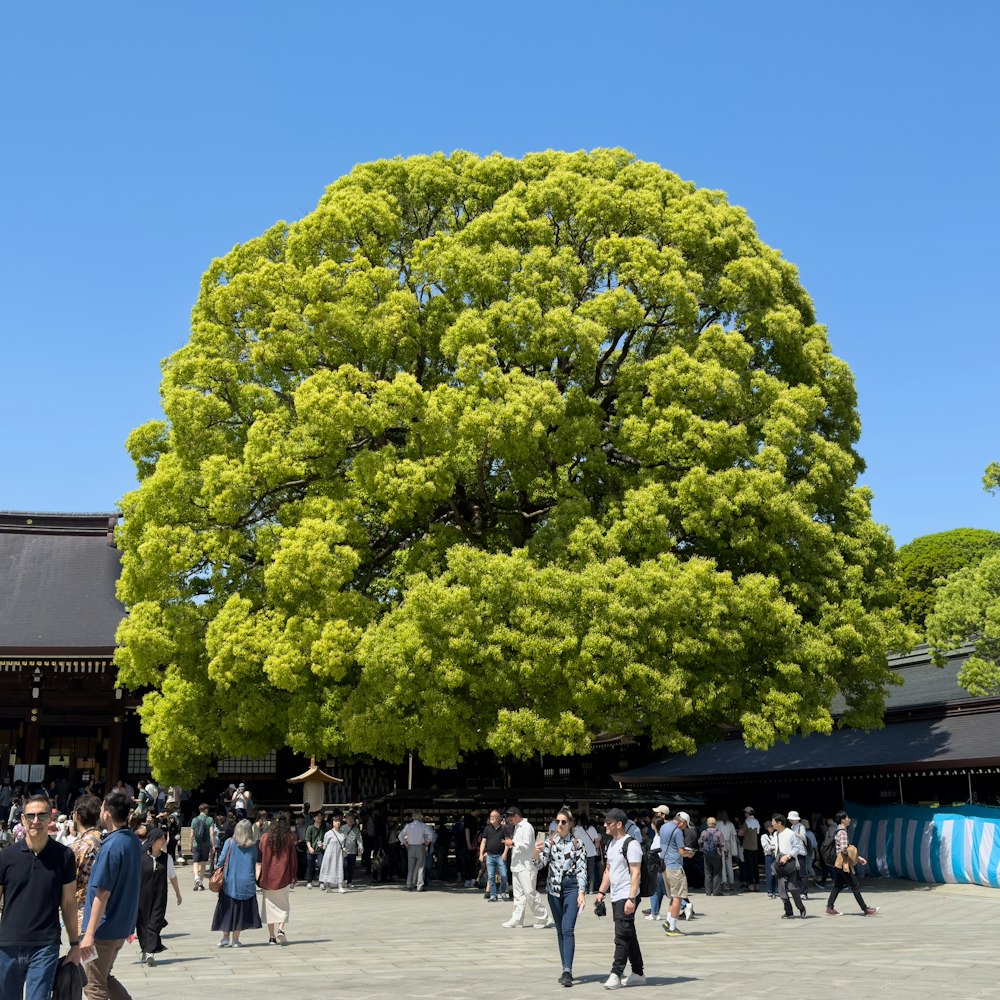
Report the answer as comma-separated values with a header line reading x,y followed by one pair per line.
x,y
277,869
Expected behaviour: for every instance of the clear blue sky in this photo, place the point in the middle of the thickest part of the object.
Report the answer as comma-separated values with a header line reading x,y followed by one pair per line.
x,y
142,140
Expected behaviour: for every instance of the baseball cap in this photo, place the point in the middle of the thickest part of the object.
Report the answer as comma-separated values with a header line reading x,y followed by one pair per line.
x,y
615,816
748,809
662,810
682,817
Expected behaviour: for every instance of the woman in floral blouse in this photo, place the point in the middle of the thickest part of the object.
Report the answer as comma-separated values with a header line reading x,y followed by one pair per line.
x,y
566,885
86,817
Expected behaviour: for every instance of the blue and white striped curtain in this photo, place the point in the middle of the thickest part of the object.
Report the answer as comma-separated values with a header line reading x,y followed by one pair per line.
x,y
948,844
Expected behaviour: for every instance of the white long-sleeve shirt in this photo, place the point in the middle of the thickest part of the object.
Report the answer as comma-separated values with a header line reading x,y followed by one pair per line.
x,y
788,842
522,854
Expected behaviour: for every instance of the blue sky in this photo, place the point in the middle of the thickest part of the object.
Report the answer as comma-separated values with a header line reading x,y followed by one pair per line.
x,y
142,140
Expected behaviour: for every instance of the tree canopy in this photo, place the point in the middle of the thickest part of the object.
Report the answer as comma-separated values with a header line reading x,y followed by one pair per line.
x,y
498,453
926,562
968,608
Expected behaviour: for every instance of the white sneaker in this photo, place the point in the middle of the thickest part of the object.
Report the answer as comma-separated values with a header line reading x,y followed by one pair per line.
x,y
309,885
652,916
509,924
634,980
341,889
613,982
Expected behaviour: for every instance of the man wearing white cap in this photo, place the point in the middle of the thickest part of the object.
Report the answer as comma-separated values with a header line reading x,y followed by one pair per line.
x,y
673,854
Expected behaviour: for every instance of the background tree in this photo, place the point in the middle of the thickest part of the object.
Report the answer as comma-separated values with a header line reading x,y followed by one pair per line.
x,y
499,453
968,608
926,562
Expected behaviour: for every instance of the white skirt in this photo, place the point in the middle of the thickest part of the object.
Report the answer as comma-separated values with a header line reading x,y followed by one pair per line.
x,y
274,906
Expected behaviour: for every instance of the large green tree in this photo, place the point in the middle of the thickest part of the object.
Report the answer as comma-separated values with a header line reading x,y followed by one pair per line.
x,y
496,453
926,562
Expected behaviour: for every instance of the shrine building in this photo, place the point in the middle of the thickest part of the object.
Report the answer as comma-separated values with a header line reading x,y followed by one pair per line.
x,y
62,717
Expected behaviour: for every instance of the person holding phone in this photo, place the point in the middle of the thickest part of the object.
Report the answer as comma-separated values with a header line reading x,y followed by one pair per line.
x,y
566,885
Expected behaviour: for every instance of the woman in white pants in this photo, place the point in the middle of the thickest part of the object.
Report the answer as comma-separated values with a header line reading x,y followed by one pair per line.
x,y
728,832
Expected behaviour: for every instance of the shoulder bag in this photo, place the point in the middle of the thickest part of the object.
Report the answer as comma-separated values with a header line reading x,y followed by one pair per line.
x,y
218,878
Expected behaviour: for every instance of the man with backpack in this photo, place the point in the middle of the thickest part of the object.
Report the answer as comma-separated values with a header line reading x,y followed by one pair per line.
x,y
202,827
844,862
713,848
621,880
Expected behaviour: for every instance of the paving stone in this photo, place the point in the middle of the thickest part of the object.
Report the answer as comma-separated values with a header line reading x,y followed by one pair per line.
x,y
377,943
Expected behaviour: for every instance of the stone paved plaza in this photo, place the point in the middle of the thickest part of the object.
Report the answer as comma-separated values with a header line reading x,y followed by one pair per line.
x,y
379,942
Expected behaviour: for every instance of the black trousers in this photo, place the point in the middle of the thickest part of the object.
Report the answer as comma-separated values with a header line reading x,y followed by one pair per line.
x,y
841,880
626,941
713,874
788,890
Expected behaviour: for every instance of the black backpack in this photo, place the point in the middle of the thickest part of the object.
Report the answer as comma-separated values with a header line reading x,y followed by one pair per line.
x,y
649,868
828,849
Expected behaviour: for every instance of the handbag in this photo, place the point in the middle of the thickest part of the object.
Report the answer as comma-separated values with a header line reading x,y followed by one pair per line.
x,y
218,878
788,869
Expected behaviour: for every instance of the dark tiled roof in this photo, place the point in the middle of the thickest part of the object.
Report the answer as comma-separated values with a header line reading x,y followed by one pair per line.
x,y
57,584
966,739
924,683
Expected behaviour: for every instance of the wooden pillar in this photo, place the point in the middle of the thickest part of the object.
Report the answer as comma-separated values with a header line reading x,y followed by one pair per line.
x,y
115,745
32,734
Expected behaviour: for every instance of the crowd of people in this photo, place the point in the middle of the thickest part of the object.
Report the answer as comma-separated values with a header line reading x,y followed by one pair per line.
x,y
103,873
109,866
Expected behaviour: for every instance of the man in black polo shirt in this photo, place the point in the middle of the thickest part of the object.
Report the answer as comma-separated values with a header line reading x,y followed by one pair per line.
x,y
37,880
493,850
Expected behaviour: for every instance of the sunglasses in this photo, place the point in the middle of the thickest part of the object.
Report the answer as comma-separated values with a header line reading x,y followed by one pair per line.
x,y
562,822
35,817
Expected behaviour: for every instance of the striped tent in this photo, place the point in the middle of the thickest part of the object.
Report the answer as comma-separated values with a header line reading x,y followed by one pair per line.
x,y
947,844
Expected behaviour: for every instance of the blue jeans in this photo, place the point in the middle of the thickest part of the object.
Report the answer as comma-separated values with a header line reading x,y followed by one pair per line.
x,y
564,911
772,882
313,864
657,898
34,964
494,867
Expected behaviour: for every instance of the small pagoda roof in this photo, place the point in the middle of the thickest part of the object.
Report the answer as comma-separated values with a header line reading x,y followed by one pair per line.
x,y
315,774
